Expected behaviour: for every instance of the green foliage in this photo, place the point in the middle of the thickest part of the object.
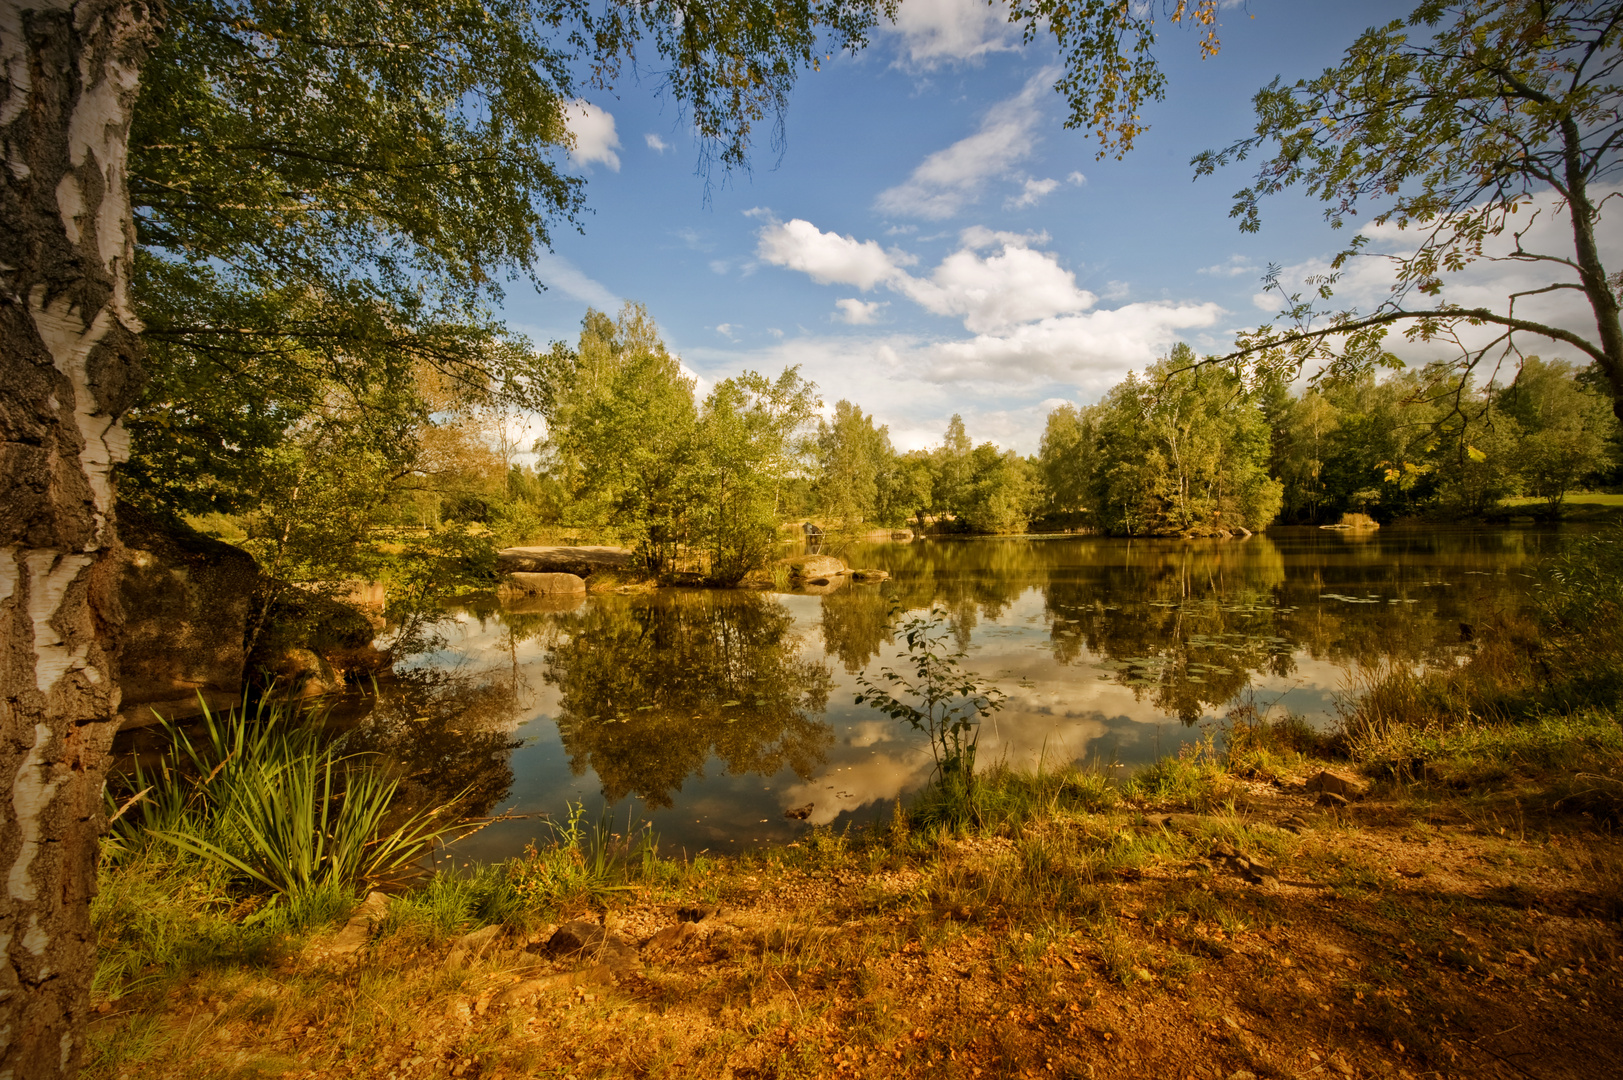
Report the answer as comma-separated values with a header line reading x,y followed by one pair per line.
x,y
632,453
939,698
852,457
749,446
278,804
1184,449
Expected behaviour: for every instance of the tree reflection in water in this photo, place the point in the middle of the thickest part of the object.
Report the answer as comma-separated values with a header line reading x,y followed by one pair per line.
x,y
653,685
449,731
1190,625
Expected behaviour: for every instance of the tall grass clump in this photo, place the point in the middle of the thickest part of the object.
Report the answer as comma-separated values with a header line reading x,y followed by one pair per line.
x,y
586,861
269,797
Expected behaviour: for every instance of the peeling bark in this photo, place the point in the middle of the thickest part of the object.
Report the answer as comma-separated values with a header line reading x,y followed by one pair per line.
x,y
69,365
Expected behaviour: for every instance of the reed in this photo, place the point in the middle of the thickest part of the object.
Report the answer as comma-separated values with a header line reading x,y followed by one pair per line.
x,y
265,793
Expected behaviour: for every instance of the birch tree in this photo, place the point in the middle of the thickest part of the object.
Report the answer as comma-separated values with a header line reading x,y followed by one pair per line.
x,y
69,363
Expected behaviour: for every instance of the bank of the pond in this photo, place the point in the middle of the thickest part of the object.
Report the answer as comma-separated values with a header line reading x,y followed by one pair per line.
x,y
1215,915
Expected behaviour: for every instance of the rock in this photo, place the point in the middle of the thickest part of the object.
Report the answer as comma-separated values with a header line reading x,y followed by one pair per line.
x,y
1223,851
870,575
580,561
1331,800
186,600
1338,783
522,583
1264,870
818,581
470,947
800,813
672,938
358,931
588,941
1183,823
697,913
806,567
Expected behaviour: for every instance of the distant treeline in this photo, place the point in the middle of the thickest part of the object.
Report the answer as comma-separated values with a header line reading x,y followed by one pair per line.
x,y
631,454
1181,449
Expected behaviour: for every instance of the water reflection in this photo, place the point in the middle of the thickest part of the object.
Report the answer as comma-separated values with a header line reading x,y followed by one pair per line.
x,y
711,712
653,687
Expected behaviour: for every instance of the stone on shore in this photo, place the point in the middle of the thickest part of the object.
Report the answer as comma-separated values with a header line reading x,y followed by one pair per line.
x,y
581,561
542,584
1338,783
808,567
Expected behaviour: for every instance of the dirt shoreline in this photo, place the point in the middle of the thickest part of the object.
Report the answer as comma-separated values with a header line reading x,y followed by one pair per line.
x,y
1397,937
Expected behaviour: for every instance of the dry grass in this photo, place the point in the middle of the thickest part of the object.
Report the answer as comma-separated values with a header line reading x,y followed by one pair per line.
x,y
1066,938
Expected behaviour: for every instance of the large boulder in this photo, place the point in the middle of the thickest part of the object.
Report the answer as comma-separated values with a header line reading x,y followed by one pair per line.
x,y
811,567
581,561
529,584
187,600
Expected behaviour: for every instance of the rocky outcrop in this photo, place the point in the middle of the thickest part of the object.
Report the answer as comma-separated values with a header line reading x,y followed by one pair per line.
x,y
812,567
550,584
186,600
582,561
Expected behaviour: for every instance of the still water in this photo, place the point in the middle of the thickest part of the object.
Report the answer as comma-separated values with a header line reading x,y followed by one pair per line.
x,y
708,713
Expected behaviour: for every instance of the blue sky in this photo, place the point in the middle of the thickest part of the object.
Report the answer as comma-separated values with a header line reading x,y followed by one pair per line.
x,y
933,240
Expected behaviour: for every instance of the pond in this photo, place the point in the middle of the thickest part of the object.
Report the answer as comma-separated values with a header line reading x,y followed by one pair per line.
x,y
708,713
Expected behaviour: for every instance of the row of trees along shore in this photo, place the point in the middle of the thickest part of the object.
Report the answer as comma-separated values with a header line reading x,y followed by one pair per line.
x,y
250,244
632,454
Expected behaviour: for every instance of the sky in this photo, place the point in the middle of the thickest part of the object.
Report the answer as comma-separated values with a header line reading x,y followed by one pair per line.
x,y
932,240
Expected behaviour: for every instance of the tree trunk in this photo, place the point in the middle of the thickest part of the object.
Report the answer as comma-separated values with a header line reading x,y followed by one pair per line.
x,y
68,367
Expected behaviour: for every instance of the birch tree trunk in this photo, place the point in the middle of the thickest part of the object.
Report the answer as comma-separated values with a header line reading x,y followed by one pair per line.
x,y
69,364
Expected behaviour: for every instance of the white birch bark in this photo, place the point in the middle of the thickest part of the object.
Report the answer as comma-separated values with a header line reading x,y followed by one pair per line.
x,y
68,366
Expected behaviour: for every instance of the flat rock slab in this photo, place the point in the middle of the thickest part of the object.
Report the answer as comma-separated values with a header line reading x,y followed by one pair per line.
x,y
580,561
813,566
524,583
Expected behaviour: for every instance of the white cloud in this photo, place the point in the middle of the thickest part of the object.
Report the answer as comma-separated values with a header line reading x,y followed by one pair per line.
x,y
829,258
655,143
559,273
1076,179
1233,267
592,130
951,179
1117,290
934,32
1014,284
720,266
1091,351
859,312
726,330
1032,192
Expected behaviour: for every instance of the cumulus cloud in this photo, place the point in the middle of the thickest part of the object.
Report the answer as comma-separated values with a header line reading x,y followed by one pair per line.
x,y
593,131
951,179
859,312
934,32
655,143
1091,351
1076,179
1032,192
726,330
828,258
1013,284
